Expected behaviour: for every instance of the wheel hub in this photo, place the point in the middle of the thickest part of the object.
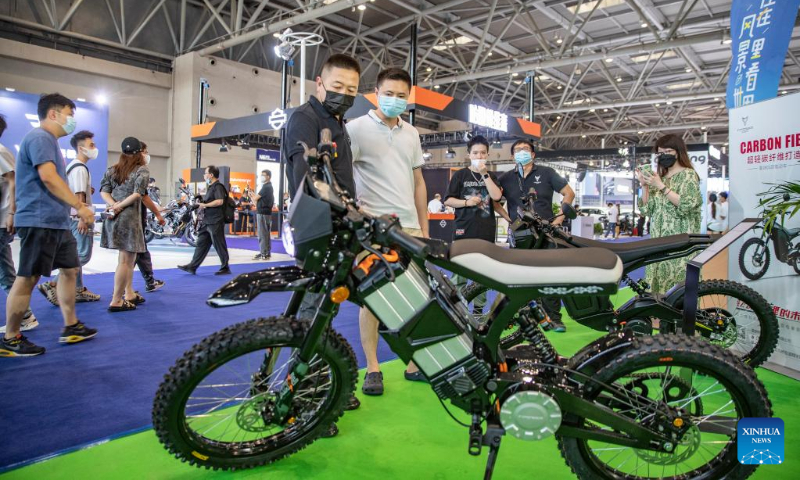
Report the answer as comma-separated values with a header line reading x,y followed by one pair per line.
x,y
530,415
687,447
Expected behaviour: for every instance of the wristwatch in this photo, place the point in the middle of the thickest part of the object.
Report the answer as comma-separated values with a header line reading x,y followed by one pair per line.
x,y
486,176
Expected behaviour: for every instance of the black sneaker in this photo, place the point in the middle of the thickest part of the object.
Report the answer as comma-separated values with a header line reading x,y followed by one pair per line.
x,y
373,384
417,376
223,271
257,257
557,326
152,287
332,431
19,346
188,269
76,333
352,404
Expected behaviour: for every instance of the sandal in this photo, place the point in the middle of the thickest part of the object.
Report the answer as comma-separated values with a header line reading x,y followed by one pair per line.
x,y
126,306
137,300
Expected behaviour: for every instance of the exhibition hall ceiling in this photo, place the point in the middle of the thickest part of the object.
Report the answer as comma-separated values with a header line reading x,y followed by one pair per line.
x,y
605,71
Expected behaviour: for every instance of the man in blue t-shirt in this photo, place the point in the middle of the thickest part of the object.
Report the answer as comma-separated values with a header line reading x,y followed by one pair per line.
x,y
42,201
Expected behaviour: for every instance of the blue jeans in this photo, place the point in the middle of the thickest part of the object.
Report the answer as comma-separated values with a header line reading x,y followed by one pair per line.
x,y
7,270
612,228
85,243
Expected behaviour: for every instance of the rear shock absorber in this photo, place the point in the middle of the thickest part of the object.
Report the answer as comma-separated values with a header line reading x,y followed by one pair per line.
x,y
534,335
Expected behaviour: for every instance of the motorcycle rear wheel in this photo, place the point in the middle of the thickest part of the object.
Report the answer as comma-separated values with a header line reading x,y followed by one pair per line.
x,y
191,235
215,407
707,382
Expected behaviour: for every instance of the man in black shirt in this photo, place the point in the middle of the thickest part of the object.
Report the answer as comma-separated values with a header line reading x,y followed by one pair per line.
x,y
265,200
212,231
471,193
337,87
545,181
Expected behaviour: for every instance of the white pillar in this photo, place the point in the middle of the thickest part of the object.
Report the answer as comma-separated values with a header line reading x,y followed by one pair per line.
x,y
302,72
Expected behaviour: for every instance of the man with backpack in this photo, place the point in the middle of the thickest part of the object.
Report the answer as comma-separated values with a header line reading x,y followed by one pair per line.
x,y
80,183
217,211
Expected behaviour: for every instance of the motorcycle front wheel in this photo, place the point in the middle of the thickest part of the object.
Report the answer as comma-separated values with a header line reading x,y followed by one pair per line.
x,y
216,408
754,258
711,387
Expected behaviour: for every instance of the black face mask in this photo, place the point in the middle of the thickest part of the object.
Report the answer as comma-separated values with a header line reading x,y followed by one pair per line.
x,y
666,160
337,103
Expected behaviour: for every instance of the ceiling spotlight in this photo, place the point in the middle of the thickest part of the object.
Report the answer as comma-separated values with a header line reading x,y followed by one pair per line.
x,y
429,69
625,142
559,41
426,155
688,70
515,74
703,127
609,60
558,117
224,147
583,136
605,110
727,40
80,99
669,102
9,89
559,87
591,110
644,24
619,79
362,7
449,153
658,104
101,99
640,132
784,92
436,87
276,35
591,163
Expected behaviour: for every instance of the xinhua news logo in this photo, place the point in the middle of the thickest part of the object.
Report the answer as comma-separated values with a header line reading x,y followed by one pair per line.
x,y
760,441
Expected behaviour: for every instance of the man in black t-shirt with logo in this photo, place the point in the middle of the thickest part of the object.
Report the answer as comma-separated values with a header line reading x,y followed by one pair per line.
x,y
212,231
516,184
471,193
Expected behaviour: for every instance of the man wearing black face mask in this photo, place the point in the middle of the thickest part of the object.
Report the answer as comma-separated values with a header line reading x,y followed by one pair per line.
x,y
337,86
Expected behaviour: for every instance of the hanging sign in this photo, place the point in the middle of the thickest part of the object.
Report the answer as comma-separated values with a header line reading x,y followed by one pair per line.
x,y
760,33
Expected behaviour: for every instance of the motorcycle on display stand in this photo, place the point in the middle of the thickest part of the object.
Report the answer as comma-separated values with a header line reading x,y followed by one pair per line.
x,y
729,314
754,257
623,407
181,221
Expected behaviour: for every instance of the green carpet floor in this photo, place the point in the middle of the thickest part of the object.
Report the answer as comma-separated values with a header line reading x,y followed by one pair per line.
x,y
404,434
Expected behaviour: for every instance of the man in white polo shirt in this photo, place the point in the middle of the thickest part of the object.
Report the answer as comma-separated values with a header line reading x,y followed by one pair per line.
x,y
387,156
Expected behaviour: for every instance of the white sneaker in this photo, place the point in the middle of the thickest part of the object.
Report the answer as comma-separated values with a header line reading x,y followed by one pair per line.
x,y
28,323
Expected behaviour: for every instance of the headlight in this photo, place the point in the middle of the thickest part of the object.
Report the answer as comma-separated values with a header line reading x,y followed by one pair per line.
x,y
288,238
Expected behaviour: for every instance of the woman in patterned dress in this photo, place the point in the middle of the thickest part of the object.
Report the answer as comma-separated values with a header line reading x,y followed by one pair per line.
x,y
122,188
672,200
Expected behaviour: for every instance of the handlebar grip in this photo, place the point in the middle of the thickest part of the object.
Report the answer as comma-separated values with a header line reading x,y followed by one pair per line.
x,y
407,242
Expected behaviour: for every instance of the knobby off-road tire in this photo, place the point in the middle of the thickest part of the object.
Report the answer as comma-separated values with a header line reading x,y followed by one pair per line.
x,y
767,321
233,342
746,257
650,353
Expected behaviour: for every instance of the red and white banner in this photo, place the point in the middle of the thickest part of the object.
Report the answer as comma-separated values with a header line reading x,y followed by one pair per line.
x,y
765,150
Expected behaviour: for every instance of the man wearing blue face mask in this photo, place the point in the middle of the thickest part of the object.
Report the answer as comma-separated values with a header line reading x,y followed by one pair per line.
x,y
516,184
387,161
42,205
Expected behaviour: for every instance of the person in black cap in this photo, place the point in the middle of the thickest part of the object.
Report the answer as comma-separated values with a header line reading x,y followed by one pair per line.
x,y
212,230
122,188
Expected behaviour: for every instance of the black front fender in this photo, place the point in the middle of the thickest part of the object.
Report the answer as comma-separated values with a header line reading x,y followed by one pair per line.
x,y
247,286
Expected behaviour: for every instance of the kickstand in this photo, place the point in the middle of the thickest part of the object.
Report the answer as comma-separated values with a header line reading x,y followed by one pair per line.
x,y
492,439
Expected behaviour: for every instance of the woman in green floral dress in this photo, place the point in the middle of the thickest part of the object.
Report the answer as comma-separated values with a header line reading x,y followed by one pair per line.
x,y
671,198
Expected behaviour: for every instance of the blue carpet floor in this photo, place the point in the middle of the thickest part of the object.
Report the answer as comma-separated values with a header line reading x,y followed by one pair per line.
x,y
77,394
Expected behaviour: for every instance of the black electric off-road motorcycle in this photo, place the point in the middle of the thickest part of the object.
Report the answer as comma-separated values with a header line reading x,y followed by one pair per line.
x,y
623,407
729,314
754,257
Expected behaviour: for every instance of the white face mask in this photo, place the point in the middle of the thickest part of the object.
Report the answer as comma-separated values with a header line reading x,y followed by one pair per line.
x,y
90,154
263,179
477,164
146,159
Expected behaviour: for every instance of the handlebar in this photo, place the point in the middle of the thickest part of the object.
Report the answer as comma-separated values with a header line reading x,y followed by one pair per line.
x,y
388,231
